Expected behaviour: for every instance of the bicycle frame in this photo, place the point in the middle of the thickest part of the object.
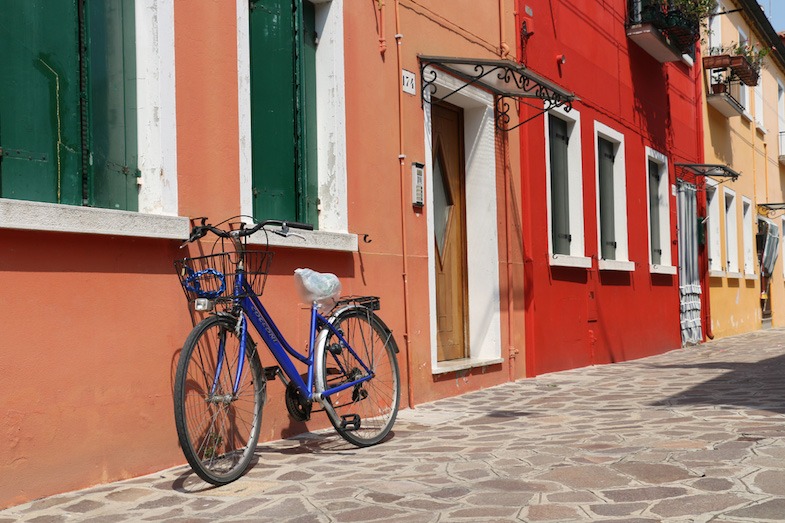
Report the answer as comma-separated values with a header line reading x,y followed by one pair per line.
x,y
252,308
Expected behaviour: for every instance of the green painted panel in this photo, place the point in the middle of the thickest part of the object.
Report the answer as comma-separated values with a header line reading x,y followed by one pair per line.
x,y
308,193
39,101
111,74
273,109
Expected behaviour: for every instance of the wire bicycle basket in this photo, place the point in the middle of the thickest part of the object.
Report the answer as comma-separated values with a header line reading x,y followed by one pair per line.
x,y
213,276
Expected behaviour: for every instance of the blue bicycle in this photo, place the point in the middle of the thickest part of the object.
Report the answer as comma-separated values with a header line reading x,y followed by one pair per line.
x,y
221,386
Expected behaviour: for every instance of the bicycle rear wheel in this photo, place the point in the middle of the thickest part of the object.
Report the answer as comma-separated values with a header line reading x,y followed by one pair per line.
x,y
362,414
218,430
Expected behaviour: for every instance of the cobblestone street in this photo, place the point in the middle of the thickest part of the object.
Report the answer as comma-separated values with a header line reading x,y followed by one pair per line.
x,y
697,434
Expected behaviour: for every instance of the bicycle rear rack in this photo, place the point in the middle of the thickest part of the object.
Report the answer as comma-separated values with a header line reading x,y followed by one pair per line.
x,y
370,302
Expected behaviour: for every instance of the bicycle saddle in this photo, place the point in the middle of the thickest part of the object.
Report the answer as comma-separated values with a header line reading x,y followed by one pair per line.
x,y
324,288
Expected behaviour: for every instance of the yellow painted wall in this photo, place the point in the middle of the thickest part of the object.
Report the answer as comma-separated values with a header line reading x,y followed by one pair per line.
x,y
749,144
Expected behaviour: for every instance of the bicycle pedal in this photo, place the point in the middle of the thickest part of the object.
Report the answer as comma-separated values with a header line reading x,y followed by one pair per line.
x,y
350,422
271,372
335,348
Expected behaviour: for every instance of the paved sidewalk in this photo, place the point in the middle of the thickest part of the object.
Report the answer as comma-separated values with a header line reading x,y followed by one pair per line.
x,y
693,435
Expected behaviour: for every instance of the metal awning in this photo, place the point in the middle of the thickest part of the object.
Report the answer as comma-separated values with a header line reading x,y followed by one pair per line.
x,y
508,80
712,170
770,208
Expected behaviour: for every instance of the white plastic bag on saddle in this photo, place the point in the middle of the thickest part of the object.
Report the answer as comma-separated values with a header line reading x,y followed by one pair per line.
x,y
323,288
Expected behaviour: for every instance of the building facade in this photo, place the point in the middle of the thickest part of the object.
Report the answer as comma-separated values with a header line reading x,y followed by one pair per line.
x,y
118,124
743,118
601,263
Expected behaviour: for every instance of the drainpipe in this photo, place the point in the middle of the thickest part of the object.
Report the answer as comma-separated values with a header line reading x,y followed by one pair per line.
x,y
505,152
382,40
706,283
404,209
504,49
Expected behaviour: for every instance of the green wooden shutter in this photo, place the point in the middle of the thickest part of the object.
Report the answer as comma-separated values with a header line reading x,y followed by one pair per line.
x,y
307,194
283,109
39,101
560,196
111,95
606,158
273,109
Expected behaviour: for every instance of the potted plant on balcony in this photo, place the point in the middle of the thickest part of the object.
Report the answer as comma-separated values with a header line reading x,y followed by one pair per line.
x,y
684,20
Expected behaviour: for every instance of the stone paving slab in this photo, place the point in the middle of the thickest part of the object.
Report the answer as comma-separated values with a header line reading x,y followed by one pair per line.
x,y
695,435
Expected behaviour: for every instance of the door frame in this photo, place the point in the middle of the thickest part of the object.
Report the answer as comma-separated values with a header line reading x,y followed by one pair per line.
x,y
482,234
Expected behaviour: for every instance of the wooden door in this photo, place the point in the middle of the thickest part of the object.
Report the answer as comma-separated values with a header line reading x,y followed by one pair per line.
x,y
449,210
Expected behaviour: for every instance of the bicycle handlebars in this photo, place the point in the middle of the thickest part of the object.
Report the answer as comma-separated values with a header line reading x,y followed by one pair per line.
x,y
203,228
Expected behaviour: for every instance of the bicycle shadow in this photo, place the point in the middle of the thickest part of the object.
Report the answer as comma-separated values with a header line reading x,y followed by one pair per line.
x,y
325,441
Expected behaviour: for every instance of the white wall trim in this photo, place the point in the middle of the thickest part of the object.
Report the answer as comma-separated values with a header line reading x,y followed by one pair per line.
x,y
37,216
156,114
575,176
619,190
665,205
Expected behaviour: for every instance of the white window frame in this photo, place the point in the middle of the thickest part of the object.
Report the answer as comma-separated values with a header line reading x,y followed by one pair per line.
x,y
780,117
664,192
331,135
759,106
744,90
577,256
622,261
746,237
713,231
157,149
732,268
715,28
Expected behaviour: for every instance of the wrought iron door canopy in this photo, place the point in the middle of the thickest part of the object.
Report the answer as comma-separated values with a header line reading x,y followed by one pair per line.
x,y
712,170
508,80
769,209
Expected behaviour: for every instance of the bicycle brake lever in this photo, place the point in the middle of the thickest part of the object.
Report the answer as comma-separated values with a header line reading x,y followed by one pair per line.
x,y
287,233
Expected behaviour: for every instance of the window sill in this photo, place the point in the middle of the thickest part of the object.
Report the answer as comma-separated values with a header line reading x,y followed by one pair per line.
x,y
662,269
616,265
26,215
320,240
748,276
761,129
564,260
443,367
734,275
716,273
746,115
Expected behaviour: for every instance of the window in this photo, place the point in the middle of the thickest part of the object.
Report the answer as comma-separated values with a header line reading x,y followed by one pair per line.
x,y
743,89
746,236
611,198
283,109
659,212
68,112
713,226
759,106
731,234
565,188
781,116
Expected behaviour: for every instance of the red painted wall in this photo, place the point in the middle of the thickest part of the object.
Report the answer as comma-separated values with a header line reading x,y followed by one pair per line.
x,y
577,317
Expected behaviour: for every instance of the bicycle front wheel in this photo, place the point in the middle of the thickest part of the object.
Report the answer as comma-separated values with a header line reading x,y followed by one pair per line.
x,y
363,414
218,428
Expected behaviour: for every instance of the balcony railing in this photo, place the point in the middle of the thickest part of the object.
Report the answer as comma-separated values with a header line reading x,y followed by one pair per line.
x,y
680,31
738,65
724,95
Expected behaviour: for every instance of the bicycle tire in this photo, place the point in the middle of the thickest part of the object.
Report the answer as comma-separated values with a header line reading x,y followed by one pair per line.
x,y
375,402
218,431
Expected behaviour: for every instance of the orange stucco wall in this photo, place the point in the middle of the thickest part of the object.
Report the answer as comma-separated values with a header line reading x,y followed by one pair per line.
x,y
93,324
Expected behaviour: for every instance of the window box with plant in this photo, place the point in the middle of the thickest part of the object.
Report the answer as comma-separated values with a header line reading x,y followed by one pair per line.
x,y
743,60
